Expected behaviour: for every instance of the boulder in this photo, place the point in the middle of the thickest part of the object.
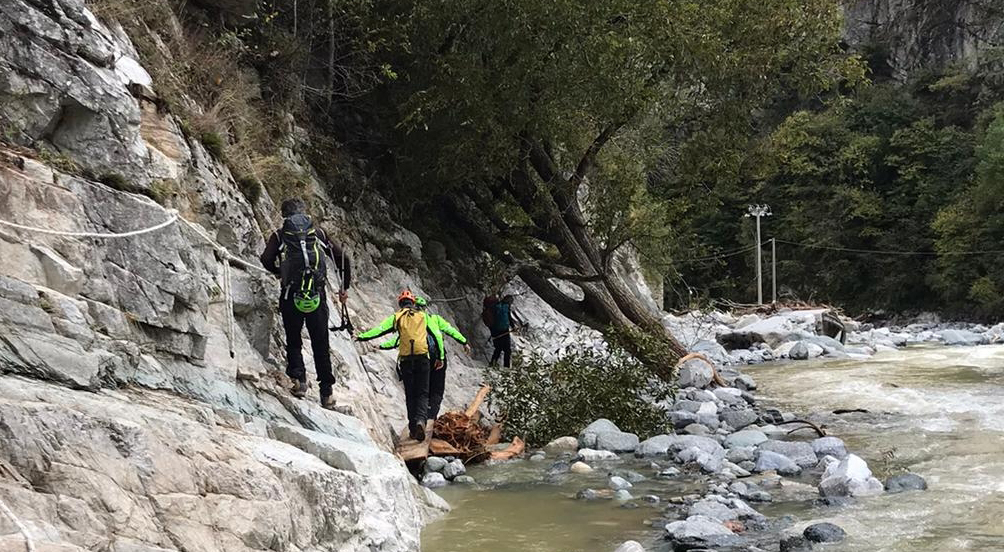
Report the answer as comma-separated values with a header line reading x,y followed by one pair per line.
x,y
700,531
591,455
695,373
587,437
849,477
771,461
464,480
631,476
729,395
738,417
682,419
454,469
829,446
799,452
696,429
630,546
709,463
617,483
563,443
745,438
824,532
799,352
746,383
795,543
961,337
738,455
435,464
905,482
654,446
580,467
617,441
713,509
622,495
434,480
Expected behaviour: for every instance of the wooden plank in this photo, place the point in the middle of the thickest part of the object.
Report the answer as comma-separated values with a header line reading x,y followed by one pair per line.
x,y
515,449
478,399
439,447
495,436
411,450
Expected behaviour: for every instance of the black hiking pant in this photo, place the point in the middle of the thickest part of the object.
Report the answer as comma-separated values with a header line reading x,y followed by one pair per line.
x,y
503,347
415,375
317,328
437,386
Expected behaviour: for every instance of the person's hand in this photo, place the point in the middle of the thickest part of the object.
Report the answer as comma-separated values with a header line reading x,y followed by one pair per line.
x,y
343,296
439,365
467,349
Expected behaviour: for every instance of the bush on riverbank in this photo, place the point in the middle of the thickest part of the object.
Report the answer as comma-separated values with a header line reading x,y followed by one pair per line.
x,y
541,399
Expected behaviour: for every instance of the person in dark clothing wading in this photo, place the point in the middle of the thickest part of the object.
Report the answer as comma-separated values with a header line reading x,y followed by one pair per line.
x,y
296,254
503,323
414,337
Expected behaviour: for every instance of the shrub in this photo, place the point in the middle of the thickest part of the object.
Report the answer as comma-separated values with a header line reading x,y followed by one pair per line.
x,y
213,143
250,187
115,181
541,400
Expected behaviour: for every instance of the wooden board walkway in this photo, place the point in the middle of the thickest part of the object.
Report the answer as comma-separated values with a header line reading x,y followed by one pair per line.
x,y
411,450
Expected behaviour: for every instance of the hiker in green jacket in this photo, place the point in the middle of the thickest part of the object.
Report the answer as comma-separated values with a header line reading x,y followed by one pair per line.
x,y
416,337
437,378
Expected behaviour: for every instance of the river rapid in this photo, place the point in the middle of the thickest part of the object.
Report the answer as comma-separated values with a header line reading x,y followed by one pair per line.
x,y
936,412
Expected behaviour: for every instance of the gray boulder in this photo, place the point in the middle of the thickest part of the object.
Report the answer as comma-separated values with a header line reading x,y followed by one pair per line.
x,y
729,395
795,543
771,461
824,532
695,373
738,455
829,446
464,480
700,532
713,509
905,482
630,546
435,464
745,438
849,477
434,480
682,418
746,383
617,441
454,469
654,446
709,463
799,352
591,455
588,436
738,417
961,337
696,429
617,483
801,453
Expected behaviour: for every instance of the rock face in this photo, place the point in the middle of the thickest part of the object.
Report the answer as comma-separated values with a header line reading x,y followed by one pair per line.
x,y
127,423
914,34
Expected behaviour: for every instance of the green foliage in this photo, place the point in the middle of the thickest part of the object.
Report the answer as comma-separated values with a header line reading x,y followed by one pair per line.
x,y
883,167
250,187
115,181
541,400
213,143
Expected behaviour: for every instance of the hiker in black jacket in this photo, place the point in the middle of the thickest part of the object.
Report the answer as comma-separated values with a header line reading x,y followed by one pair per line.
x,y
296,254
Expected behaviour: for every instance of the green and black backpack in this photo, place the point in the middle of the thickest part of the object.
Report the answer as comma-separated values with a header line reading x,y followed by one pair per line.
x,y
301,262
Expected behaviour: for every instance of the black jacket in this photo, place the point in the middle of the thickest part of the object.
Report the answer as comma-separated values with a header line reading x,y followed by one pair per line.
x,y
270,257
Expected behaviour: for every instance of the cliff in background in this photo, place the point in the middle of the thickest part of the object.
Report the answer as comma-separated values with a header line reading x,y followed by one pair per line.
x,y
913,34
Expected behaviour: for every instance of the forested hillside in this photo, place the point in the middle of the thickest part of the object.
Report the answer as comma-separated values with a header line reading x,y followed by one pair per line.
x,y
885,195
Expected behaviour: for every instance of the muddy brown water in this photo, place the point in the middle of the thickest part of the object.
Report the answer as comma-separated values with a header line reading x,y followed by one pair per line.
x,y
938,412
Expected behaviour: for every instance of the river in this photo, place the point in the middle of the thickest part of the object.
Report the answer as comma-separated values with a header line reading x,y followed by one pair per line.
x,y
937,412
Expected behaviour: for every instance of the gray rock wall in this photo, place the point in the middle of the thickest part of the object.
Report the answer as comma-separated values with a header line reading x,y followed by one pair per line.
x,y
924,33
125,424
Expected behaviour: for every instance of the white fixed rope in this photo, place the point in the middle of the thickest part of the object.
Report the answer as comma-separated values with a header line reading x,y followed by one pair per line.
x,y
171,219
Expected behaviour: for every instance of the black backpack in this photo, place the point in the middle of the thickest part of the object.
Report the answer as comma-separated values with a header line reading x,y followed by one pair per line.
x,y
301,262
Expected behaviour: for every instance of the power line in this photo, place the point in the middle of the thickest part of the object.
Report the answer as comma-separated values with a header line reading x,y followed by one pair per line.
x,y
892,252
724,255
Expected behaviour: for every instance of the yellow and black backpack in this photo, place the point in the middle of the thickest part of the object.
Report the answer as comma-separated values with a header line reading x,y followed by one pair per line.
x,y
412,328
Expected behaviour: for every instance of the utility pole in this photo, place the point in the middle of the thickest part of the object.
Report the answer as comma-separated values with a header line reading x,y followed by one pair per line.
x,y
773,270
758,211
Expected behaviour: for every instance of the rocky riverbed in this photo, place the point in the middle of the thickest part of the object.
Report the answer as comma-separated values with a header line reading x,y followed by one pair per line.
x,y
732,470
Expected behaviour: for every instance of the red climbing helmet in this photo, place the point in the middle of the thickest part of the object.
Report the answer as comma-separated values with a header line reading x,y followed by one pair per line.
x,y
406,295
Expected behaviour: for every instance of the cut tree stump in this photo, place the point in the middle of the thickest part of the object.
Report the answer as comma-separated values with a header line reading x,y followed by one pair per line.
x,y
411,450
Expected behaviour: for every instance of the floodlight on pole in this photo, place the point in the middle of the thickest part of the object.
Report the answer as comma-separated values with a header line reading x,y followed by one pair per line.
x,y
758,211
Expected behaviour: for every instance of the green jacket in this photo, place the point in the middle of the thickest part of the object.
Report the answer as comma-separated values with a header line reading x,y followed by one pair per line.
x,y
439,326
386,326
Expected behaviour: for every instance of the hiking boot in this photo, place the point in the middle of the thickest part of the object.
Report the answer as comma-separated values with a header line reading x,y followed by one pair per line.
x,y
328,403
299,389
418,433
